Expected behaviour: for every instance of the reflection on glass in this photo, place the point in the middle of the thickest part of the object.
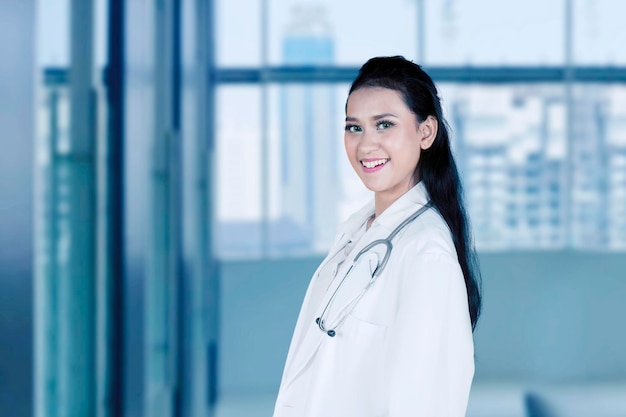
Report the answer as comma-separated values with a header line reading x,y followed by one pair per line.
x,y
238,158
511,146
510,142
308,160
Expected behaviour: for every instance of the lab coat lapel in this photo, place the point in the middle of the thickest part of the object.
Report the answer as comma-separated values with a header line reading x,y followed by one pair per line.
x,y
312,299
345,235
307,335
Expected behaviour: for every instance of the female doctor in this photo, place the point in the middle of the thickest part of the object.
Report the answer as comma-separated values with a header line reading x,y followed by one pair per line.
x,y
386,325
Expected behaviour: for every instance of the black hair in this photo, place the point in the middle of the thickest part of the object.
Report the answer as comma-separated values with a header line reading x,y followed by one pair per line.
x,y
436,166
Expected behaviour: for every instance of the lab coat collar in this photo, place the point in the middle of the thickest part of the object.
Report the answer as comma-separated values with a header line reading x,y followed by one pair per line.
x,y
413,199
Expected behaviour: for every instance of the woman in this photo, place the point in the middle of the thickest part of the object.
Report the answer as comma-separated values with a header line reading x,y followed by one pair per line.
x,y
391,337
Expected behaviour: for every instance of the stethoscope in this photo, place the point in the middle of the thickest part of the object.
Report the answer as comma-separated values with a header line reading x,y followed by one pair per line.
x,y
331,330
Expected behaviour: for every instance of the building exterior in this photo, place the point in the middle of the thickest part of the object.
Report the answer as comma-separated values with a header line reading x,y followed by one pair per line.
x,y
616,170
589,172
520,191
310,187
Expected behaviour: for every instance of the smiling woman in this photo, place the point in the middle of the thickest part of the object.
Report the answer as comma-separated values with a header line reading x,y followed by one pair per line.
x,y
386,324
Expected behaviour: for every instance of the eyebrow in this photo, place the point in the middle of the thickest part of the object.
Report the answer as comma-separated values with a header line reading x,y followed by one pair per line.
x,y
377,117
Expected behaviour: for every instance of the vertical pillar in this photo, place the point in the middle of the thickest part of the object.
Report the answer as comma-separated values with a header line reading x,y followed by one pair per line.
x,y
205,284
421,33
45,286
198,130
76,238
162,380
111,224
65,280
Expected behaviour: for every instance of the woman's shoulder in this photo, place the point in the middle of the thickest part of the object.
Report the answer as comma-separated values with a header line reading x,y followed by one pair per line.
x,y
428,234
426,250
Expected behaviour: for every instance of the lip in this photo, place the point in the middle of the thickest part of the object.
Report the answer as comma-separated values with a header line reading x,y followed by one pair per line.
x,y
376,168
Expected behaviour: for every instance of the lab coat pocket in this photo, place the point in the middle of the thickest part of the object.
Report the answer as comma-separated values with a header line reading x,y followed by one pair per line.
x,y
362,338
360,361
375,307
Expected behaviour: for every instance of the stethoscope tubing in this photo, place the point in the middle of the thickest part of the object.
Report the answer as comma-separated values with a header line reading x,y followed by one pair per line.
x,y
377,271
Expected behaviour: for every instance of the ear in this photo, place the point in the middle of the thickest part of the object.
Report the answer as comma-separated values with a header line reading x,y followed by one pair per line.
x,y
427,131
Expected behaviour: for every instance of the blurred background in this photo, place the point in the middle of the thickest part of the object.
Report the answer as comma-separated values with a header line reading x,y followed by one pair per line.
x,y
173,172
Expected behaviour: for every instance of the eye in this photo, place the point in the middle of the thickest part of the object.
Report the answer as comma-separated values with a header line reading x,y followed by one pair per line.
x,y
353,128
384,124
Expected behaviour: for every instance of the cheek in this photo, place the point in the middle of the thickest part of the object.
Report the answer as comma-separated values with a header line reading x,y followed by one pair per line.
x,y
410,158
351,147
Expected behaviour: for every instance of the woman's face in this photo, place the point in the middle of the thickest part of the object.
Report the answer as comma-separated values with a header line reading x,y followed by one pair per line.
x,y
384,139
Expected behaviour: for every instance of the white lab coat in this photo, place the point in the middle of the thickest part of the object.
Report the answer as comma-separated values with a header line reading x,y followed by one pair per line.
x,y
406,349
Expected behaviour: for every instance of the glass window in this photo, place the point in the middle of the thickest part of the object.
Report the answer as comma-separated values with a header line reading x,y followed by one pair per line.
x,y
596,27
540,165
509,143
492,32
53,33
238,172
524,162
340,32
309,185
234,45
450,32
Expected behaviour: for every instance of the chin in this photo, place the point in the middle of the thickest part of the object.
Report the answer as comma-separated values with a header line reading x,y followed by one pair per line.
x,y
374,187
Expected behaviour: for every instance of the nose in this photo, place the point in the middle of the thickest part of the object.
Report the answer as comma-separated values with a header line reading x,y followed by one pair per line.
x,y
369,142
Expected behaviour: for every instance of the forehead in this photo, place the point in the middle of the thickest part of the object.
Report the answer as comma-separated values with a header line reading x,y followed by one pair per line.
x,y
375,100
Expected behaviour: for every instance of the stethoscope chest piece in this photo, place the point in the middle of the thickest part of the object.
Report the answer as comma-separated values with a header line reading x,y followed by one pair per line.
x,y
331,333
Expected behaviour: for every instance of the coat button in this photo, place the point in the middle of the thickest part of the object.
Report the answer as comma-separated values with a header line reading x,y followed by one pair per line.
x,y
331,333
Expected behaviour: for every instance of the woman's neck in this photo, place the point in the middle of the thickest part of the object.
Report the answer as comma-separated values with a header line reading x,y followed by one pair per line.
x,y
383,199
381,205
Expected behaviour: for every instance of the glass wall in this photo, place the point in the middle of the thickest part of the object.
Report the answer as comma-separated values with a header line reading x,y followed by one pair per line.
x,y
537,120
233,144
445,32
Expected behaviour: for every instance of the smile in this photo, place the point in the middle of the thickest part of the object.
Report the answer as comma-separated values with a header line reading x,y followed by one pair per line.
x,y
375,163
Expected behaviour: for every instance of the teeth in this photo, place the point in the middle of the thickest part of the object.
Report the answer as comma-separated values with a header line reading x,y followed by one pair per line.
x,y
372,164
